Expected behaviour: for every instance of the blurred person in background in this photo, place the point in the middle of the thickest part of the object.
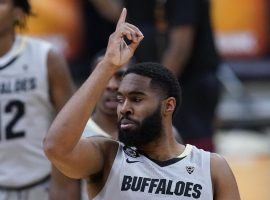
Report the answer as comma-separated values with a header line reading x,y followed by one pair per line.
x,y
34,84
190,53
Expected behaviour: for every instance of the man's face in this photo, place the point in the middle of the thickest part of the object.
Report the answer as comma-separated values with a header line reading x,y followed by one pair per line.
x,y
108,102
139,111
7,16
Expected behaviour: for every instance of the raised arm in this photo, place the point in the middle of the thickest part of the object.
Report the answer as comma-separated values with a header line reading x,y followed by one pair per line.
x,y
73,156
224,183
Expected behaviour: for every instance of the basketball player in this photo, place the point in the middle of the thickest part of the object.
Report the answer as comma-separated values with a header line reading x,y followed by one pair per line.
x,y
34,83
149,163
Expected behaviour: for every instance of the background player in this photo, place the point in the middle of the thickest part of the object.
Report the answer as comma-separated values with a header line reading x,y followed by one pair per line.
x,y
34,83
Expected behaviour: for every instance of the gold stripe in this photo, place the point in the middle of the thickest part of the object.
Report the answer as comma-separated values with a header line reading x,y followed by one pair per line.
x,y
21,47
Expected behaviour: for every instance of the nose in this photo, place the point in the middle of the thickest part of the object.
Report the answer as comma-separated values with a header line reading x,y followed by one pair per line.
x,y
113,84
125,108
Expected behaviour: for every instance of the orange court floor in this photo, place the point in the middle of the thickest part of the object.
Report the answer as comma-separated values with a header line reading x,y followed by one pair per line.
x,y
248,154
253,177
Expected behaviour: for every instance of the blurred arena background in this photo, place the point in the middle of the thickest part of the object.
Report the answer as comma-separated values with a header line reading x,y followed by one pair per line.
x,y
242,30
242,36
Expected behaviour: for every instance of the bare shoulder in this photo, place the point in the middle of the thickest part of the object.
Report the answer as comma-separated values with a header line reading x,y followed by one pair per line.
x,y
218,161
219,167
60,82
57,65
224,182
55,58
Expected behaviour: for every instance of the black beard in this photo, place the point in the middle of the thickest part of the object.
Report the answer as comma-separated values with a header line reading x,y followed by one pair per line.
x,y
147,131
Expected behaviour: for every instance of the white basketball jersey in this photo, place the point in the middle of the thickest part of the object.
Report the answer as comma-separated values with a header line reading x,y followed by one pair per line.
x,y
92,129
134,176
25,112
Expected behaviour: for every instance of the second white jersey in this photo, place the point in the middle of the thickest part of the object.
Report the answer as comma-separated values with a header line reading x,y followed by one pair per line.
x,y
92,129
134,176
25,113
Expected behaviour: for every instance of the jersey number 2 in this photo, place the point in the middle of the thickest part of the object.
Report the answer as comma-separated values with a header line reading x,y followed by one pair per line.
x,y
19,108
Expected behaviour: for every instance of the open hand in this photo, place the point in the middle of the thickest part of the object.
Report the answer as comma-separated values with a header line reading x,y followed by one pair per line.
x,y
118,52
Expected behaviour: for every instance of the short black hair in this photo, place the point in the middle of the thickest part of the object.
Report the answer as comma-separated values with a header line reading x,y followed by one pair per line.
x,y
24,5
161,77
26,8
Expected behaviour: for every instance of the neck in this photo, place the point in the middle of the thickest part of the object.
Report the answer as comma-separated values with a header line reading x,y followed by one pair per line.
x,y
163,148
108,123
6,42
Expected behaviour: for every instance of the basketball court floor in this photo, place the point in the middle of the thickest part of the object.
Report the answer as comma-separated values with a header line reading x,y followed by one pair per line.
x,y
248,154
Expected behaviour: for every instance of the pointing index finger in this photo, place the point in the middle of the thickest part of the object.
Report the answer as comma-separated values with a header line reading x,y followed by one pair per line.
x,y
122,18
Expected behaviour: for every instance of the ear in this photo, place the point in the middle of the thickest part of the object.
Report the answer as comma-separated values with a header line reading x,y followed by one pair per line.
x,y
169,106
18,15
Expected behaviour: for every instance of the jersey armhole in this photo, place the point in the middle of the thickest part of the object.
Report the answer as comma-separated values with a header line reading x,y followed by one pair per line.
x,y
210,175
114,168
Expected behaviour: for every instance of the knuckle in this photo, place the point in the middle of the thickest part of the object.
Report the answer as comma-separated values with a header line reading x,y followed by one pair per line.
x,y
111,36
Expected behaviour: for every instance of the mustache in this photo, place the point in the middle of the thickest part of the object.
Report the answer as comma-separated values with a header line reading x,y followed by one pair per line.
x,y
127,118
110,95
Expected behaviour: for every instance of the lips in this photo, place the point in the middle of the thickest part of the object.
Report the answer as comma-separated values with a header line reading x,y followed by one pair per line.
x,y
111,103
127,124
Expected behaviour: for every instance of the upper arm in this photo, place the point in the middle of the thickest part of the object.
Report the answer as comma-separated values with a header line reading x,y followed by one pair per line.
x,y
85,159
88,157
182,17
179,48
224,183
60,83
181,38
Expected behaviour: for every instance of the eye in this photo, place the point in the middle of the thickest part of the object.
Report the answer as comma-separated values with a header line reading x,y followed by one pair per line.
x,y
137,99
120,99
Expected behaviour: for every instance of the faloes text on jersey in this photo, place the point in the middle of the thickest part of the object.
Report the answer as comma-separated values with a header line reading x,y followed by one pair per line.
x,y
17,85
161,186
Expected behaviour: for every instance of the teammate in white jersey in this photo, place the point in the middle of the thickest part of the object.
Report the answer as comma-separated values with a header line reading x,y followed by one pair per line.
x,y
152,164
34,83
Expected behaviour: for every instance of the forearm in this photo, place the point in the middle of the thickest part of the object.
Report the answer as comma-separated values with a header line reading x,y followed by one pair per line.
x,y
110,9
173,60
68,125
179,48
